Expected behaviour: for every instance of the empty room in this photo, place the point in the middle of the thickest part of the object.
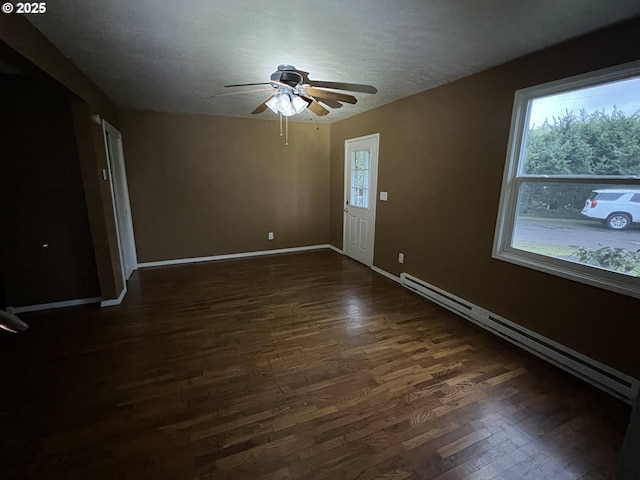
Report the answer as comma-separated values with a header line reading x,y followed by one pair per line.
x,y
329,240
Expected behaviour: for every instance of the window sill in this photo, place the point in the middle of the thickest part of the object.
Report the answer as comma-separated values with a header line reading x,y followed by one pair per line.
x,y
596,277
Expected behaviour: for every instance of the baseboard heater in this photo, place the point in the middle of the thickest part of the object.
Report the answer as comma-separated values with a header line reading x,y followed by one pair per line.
x,y
606,378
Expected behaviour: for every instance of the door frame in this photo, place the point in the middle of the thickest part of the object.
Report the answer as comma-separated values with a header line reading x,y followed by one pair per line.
x,y
117,177
373,190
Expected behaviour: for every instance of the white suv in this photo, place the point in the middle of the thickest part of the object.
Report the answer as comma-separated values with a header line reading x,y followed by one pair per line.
x,y
616,207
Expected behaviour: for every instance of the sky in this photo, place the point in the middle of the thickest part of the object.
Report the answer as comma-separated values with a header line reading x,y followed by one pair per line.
x,y
624,94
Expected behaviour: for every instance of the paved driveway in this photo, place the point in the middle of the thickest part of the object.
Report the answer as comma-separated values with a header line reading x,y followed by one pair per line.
x,y
574,233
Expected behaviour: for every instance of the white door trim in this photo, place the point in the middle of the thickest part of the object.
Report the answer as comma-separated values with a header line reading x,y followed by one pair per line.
x,y
373,191
117,177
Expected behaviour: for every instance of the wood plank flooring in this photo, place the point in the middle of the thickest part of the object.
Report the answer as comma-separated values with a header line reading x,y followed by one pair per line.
x,y
297,366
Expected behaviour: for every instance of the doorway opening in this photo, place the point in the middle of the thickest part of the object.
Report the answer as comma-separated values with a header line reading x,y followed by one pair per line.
x,y
120,195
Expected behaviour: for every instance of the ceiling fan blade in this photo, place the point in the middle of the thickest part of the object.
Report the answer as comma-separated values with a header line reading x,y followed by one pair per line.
x,y
240,93
341,97
263,106
248,84
316,108
352,87
329,103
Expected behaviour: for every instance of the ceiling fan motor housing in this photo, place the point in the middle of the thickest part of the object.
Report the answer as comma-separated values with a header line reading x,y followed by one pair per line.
x,y
287,74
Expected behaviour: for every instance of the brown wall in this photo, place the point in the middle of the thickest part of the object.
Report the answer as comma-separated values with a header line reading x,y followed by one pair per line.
x,y
42,198
442,155
28,45
203,185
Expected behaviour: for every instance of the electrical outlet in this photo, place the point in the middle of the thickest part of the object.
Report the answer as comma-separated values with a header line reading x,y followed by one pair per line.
x,y
270,235
401,258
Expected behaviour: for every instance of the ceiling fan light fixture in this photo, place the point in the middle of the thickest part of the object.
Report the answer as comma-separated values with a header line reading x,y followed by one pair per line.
x,y
299,104
272,103
286,104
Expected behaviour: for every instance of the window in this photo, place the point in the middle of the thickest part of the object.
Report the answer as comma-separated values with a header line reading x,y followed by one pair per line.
x,y
360,173
569,204
605,196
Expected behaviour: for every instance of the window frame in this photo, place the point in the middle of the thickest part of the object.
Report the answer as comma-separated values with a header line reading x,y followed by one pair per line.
x,y
513,178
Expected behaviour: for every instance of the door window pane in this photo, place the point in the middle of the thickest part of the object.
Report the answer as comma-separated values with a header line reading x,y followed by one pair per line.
x,y
360,178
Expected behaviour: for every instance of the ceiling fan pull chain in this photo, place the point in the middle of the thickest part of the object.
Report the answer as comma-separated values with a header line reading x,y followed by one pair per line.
x,y
280,114
286,126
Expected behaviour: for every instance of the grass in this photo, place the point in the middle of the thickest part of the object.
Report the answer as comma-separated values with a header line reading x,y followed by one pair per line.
x,y
545,249
572,220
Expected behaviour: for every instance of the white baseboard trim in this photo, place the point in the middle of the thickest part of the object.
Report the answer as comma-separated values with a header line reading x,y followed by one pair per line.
x,y
213,258
602,376
52,305
336,249
112,302
117,301
386,274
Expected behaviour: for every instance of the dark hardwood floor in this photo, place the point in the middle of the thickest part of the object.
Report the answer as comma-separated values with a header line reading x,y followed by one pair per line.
x,y
301,366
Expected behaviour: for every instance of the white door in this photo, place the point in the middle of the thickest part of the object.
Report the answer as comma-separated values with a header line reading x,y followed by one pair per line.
x,y
120,195
361,175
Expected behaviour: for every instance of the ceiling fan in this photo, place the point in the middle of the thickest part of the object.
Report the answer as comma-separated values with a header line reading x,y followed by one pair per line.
x,y
293,92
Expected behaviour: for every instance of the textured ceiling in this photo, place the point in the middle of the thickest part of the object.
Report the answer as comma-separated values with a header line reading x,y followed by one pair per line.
x,y
174,55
